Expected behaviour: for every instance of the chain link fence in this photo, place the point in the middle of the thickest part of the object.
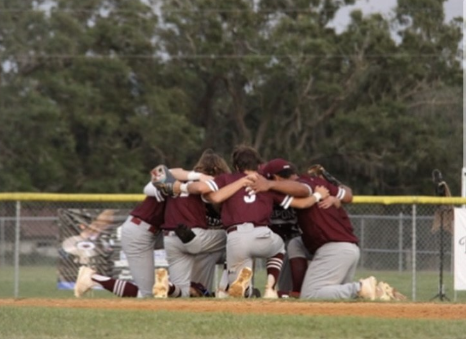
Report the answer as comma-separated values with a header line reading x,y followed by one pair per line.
x,y
401,243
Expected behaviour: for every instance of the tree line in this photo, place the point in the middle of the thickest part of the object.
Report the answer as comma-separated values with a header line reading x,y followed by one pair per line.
x,y
96,93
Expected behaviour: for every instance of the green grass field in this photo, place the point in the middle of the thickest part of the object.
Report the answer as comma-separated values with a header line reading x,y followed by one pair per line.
x,y
64,323
72,323
41,281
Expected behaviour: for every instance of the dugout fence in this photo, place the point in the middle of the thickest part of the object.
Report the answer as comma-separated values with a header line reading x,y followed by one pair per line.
x,y
400,241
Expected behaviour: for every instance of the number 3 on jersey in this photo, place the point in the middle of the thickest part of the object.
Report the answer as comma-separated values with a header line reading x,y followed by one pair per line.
x,y
249,198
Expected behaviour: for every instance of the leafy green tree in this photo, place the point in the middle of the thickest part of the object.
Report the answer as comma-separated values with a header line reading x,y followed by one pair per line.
x,y
103,115
95,93
285,82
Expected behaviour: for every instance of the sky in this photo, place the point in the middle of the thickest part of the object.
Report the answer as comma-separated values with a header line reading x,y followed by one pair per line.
x,y
453,8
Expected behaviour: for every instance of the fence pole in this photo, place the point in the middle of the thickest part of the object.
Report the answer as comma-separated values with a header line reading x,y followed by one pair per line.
x,y
452,267
413,253
17,248
361,241
400,243
2,243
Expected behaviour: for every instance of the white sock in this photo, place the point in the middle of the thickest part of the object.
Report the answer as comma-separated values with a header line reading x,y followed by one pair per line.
x,y
270,281
99,277
223,283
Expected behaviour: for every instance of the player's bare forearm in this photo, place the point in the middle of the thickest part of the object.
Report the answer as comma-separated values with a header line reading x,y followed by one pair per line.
x,y
198,187
184,175
227,191
348,194
289,187
329,202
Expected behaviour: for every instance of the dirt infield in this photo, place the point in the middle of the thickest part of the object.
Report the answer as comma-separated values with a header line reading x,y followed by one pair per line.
x,y
258,306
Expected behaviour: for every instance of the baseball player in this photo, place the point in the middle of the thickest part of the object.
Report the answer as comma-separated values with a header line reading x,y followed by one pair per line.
x,y
192,246
328,236
287,226
140,236
246,217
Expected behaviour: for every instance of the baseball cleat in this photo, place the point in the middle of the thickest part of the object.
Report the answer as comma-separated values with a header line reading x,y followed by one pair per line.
x,y
197,290
368,288
160,289
84,281
239,286
386,292
256,293
270,293
221,294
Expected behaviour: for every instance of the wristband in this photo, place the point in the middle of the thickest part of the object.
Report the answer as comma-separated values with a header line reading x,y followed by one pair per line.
x,y
318,196
194,176
184,188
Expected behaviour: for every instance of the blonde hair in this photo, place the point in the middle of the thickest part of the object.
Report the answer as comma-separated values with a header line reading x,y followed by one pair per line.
x,y
211,163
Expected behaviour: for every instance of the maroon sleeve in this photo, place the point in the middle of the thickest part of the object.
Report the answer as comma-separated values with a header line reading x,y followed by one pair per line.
x,y
278,197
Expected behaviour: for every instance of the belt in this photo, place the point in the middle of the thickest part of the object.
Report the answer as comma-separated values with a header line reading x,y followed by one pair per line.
x,y
235,228
137,221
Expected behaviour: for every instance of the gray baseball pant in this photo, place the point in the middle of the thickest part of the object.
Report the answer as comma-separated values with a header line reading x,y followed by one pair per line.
x,y
139,243
331,272
195,260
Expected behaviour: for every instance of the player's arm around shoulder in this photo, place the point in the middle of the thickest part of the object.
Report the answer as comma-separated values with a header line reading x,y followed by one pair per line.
x,y
198,187
191,182
344,196
219,196
288,187
347,195
184,175
320,193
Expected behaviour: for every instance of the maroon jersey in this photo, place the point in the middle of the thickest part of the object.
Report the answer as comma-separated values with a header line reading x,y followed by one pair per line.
x,y
321,226
185,209
242,207
151,210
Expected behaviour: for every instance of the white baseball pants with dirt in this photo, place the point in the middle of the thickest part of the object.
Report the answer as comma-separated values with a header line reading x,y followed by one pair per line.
x,y
194,261
247,243
331,272
139,243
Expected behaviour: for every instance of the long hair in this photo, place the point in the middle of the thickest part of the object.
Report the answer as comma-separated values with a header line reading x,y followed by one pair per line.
x,y
211,163
246,158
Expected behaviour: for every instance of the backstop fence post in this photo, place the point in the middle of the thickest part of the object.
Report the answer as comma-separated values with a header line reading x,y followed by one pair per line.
x,y
17,248
413,252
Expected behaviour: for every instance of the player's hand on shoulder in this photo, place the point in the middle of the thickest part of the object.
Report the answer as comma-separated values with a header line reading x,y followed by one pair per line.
x,y
253,177
248,180
257,183
329,202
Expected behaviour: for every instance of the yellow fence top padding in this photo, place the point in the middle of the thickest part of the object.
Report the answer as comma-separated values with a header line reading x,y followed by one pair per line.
x,y
409,200
384,200
71,197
